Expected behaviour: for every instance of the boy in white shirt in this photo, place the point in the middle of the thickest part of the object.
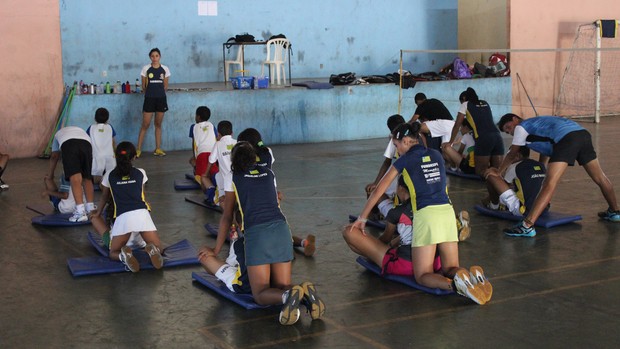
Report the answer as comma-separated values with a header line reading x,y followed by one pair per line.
x,y
221,156
102,140
203,137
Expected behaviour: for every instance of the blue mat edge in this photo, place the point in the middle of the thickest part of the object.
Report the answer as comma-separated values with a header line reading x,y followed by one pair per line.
x,y
463,175
408,281
544,222
244,300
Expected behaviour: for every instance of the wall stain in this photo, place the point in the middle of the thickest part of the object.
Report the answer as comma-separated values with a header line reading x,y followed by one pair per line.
x,y
350,40
112,67
148,37
300,56
196,55
131,66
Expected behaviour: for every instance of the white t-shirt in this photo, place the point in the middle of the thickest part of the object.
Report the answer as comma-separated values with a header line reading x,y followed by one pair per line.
x,y
204,137
66,133
221,155
463,108
520,136
441,128
390,151
468,141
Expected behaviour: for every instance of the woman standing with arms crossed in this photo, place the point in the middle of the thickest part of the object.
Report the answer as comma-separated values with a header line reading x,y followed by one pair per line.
x,y
154,84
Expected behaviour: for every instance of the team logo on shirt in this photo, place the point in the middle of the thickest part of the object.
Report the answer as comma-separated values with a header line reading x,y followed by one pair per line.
x,y
426,158
151,75
161,76
537,168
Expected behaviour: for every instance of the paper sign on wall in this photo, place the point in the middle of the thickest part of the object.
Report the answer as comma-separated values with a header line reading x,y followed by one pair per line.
x,y
207,8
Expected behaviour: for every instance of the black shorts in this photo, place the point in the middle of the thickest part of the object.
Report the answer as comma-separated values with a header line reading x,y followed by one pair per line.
x,y
489,144
576,145
77,157
464,166
433,142
155,104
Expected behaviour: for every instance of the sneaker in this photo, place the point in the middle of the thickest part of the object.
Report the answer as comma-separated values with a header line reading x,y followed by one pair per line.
x,y
138,153
609,215
463,225
466,288
521,230
156,259
126,256
78,216
159,152
310,245
3,186
476,276
290,309
311,300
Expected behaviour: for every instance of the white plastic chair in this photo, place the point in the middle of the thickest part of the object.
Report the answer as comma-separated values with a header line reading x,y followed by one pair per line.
x,y
276,59
238,61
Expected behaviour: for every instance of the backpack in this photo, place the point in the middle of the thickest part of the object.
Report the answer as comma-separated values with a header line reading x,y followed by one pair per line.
x,y
245,37
342,79
460,69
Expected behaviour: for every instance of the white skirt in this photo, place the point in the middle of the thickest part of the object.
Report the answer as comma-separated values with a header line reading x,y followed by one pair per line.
x,y
136,220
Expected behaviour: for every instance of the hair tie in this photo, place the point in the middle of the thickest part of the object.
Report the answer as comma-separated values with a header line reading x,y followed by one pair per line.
x,y
260,143
123,152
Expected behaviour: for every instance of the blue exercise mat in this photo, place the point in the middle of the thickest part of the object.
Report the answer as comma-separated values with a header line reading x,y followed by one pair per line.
x,y
313,85
186,184
212,229
181,253
56,220
547,220
243,299
463,175
370,223
200,201
190,176
406,280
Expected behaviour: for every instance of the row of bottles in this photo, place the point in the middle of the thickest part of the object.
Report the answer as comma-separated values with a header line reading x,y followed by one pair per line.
x,y
85,89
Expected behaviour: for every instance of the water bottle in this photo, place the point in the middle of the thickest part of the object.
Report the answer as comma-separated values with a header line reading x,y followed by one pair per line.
x,y
100,88
138,86
107,87
78,91
123,88
91,88
117,87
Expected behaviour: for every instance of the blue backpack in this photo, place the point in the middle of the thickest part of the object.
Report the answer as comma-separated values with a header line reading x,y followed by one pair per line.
x,y
460,70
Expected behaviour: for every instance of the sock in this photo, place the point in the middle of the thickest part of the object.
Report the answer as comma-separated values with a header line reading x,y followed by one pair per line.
x,y
79,208
493,206
304,242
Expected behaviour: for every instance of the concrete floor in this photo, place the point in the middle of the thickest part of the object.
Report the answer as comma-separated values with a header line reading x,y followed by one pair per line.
x,y
559,289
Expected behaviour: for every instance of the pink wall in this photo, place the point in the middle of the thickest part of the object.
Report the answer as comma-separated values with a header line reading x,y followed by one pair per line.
x,y
547,24
31,83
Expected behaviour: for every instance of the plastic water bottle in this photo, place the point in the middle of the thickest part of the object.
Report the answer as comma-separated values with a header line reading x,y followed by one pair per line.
x,y
91,89
117,87
138,87
123,88
78,91
108,89
127,87
100,88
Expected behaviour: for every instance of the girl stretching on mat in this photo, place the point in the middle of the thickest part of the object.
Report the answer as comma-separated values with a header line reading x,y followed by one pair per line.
x,y
131,211
424,172
265,158
268,242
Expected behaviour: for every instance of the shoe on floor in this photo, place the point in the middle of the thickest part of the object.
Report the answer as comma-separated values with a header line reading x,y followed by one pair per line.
x,y
463,225
126,256
159,152
156,259
609,215
290,309
310,245
312,301
466,288
78,216
520,230
3,186
476,276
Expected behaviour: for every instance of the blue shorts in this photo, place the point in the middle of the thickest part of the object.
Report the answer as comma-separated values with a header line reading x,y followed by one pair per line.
x,y
268,243
489,144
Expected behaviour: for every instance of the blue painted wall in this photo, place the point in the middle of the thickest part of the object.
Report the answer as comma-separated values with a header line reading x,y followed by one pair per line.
x,y
363,36
291,115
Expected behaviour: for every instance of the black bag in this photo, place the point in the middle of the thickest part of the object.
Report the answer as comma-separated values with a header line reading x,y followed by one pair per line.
x,y
342,79
280,36
245,37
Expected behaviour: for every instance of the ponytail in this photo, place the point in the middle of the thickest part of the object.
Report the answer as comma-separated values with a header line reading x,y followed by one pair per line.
x,y
470,95
125,152
406,130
